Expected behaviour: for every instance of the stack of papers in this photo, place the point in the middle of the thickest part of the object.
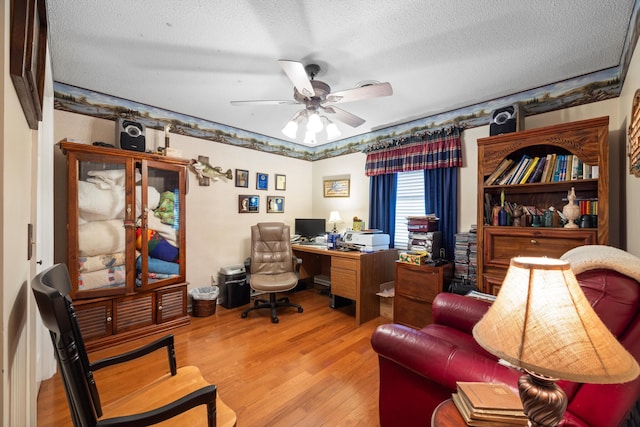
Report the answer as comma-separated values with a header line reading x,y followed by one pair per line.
x,y
489,404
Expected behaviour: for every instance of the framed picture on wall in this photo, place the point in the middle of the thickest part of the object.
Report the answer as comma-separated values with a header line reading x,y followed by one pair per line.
x,y
281,182
248,203
336,188
262,181
242,178
28,53
275,204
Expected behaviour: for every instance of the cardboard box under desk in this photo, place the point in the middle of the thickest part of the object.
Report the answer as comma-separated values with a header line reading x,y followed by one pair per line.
x,y
386,295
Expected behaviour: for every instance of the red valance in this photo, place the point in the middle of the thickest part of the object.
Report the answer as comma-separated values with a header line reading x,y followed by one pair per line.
x,y
432,150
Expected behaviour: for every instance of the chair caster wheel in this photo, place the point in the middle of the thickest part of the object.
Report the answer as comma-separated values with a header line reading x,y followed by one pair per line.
x,y
300,310
243,315
275,320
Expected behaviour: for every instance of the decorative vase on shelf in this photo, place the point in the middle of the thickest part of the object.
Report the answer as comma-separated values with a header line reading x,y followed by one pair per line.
x,y
571,210
503,216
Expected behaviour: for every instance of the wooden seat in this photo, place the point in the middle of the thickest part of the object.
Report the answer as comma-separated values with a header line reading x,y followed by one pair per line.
x,y
180,397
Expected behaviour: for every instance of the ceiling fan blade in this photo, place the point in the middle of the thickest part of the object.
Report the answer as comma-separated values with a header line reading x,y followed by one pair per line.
x,y
266,102
364,92
344,116
298,76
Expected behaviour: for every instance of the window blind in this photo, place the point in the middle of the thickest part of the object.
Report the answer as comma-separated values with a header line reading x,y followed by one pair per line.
x,y
409,201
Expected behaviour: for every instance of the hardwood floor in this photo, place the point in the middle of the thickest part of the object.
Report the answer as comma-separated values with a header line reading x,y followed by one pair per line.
x,y
314,368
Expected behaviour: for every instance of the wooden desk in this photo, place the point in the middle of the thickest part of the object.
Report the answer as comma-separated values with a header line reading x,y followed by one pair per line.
x,y
447,415
354,275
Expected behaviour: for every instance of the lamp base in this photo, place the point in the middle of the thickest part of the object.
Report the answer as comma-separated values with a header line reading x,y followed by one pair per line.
x,y
543,400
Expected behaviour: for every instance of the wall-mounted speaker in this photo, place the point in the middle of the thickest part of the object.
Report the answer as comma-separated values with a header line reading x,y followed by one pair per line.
x,y
130,135
506,119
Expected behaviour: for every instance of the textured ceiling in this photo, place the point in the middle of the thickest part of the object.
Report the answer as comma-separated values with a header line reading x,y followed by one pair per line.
x,y
194,57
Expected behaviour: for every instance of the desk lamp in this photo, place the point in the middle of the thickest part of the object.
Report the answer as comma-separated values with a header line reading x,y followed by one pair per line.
x,y
542,323
334,217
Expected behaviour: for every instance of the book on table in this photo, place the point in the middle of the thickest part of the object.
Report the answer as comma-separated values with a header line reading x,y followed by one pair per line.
x,y
489,404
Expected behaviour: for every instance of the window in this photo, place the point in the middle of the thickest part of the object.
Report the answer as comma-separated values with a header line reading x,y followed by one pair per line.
x,y
409,201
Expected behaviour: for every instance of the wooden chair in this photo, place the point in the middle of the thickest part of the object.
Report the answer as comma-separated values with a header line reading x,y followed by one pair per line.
x,y
180,397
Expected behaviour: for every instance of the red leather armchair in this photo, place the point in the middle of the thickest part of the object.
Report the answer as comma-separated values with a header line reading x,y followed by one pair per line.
x,y
419,368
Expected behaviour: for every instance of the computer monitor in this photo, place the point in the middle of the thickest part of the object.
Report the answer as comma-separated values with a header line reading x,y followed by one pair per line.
x,y
310,228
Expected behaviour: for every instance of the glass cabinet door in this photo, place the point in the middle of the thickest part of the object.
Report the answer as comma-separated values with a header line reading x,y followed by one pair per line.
x,y
103,211
160,228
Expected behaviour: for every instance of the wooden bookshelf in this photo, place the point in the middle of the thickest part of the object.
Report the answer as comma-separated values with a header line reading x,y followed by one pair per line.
x,y
588,140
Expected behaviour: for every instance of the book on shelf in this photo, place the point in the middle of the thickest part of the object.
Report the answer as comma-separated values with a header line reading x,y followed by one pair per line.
x,y
510,172
498,173
588,206
557,168
552,167
566,173
551,164
576,169
489,404
537,173
529,170
522,164
562,172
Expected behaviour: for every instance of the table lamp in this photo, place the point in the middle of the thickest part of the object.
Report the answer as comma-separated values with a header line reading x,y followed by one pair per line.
x,y
542,323
334,217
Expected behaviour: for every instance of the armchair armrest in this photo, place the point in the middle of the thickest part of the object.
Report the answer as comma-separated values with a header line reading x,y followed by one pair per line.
x,y
297,264
458,311
438,361
166,341
203,396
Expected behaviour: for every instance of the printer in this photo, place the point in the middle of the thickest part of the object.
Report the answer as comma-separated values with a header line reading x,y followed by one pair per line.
x,y
365,241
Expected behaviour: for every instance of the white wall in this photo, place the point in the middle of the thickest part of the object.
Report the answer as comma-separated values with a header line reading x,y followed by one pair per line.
x,y
350,166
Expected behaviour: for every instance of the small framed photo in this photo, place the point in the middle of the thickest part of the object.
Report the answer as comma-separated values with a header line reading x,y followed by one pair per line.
x,y
248,203
336,188
262,181
242,178
275,204
281,182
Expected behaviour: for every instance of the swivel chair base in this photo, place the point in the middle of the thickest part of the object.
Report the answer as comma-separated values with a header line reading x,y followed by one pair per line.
x,y
272,304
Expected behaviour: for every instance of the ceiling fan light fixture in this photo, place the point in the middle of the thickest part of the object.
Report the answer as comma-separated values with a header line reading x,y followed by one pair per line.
x,y
314,123
332,130
291,129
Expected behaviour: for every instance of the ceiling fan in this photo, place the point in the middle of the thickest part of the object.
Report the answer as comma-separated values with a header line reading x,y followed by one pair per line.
x,y
318,99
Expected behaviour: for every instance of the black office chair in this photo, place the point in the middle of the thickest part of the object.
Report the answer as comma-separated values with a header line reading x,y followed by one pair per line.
x,y
169,398
272,266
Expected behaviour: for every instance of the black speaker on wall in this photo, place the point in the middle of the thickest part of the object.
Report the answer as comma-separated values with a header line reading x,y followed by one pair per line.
x,y
130,135
506,119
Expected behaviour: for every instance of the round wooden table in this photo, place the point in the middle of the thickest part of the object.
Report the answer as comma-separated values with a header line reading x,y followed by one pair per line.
x,y
447,415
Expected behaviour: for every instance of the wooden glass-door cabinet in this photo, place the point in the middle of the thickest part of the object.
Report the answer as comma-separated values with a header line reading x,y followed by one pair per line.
x,y
125,241
578,153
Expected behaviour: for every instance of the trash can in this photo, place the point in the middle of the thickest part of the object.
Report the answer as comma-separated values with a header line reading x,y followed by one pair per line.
x,y
204,301
234,289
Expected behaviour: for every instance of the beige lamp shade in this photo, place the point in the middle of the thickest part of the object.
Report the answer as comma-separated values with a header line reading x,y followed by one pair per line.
x,y
542,321
334,217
